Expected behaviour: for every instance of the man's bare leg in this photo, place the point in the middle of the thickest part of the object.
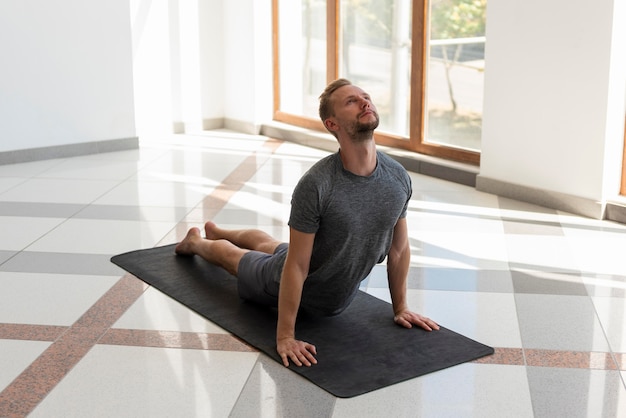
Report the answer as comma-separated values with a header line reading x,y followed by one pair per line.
x,y
220,251
251,239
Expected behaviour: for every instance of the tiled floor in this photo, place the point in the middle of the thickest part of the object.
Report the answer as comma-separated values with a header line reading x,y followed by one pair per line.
x,y
80,338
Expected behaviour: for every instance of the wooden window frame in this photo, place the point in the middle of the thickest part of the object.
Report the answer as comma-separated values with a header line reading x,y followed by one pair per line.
x,y
419,61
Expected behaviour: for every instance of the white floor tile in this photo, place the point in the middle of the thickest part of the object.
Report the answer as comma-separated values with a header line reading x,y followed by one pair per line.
x,y
156,311
296,152
58,190
85,168
17,356
193,165
7,183
455,200
466,390
599,252
612,315
29,169
141,156
547,253
461,250
114,381
20,232
432,220
265,210
274,391
489,318
89,236
424,183
49,299
560,322
164,193
563,392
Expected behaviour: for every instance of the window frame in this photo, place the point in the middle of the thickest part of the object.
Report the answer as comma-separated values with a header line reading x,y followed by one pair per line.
x,y
417,141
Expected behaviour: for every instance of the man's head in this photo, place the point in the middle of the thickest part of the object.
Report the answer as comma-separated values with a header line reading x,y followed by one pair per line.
x,y
326,103
346,108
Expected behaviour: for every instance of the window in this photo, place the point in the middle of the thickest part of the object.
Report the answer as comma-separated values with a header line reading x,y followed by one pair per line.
x,y
375,53
422,61
456,72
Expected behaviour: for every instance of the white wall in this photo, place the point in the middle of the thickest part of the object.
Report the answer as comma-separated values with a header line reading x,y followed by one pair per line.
x,y
65,73
554,95
202,64
248,59
211,61
155,100
178,65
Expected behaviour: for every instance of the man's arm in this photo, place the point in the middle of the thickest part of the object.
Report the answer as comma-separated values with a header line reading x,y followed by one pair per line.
x,y
294,274
398,262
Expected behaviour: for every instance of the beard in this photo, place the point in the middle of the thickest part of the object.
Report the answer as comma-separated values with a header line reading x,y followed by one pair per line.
x,y
361,131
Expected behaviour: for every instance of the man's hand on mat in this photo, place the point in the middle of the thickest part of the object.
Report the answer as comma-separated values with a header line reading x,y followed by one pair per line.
x,y
299,352
407,319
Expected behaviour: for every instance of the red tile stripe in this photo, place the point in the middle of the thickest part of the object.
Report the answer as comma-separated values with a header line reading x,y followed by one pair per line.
x,y
132,337
571,359
31,332
174,339
503,355
228,342
556,359
43,374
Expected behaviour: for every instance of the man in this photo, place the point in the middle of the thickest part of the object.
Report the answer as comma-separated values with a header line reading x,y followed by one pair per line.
x,y
348,213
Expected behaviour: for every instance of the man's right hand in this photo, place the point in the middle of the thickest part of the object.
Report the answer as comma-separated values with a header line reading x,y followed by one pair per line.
x,y
299,352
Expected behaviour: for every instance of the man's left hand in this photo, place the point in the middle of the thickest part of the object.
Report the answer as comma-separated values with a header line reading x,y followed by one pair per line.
x,y
407,319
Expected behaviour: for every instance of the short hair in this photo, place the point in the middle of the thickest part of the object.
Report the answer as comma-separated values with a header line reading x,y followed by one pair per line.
x,y
326,105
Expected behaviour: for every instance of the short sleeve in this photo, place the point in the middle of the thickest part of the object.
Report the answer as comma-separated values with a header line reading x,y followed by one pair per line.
x,y
409,186
305,206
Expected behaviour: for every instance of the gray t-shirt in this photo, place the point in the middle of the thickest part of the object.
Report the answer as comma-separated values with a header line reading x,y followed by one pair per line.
x,y
353,218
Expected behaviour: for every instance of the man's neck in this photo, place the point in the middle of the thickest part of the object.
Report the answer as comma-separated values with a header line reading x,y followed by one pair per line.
x,y
359,157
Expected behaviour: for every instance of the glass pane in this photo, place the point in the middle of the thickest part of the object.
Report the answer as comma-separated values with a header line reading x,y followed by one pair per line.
x,y
456,72
375,54
302,33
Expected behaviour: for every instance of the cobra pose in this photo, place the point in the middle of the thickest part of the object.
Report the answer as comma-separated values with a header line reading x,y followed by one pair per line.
x,y
348,213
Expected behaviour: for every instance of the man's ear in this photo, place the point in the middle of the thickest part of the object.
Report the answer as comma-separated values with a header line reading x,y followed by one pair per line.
x,y
331,125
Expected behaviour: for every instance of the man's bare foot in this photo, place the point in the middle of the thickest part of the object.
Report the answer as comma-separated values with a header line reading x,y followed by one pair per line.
x,y
210,230
185,247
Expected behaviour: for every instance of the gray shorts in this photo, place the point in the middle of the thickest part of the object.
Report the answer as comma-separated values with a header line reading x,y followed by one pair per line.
x,y
258,275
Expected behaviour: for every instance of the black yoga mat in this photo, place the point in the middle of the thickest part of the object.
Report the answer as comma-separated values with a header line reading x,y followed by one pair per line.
x,y
359,351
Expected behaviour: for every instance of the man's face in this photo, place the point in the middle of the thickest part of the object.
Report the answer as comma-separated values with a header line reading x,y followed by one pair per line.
x,y
354,111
